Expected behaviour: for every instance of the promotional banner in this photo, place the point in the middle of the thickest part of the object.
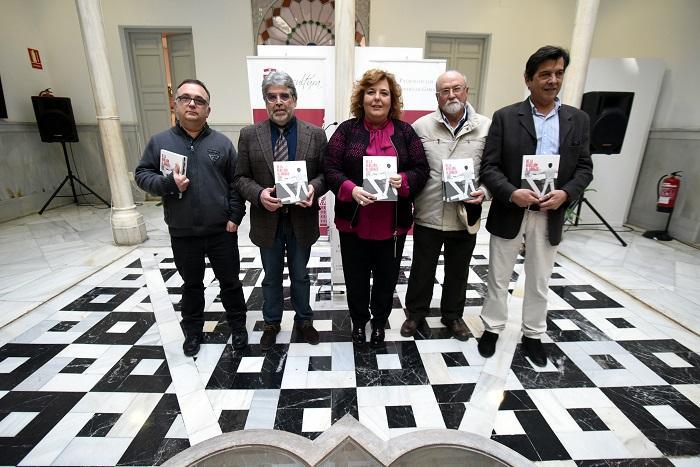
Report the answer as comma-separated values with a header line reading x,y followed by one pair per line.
x,y
322,52
310,80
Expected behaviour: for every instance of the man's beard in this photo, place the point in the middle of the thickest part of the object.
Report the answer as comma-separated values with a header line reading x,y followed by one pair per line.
x,y
453,108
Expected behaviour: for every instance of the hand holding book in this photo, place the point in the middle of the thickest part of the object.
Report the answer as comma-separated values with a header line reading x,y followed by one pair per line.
x,y
553,200
181,179
362,197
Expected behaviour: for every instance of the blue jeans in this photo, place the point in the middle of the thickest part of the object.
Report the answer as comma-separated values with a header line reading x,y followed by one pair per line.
x,y
273,265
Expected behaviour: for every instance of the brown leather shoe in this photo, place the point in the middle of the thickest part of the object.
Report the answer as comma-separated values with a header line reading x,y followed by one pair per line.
x,y
457,327
269,336
307,332
408,328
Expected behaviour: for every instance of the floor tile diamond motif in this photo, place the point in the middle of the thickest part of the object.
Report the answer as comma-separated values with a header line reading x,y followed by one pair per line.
x,y
102,380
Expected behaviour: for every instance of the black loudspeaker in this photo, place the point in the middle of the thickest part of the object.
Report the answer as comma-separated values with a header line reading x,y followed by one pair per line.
x,y
609,113
54,116
3,107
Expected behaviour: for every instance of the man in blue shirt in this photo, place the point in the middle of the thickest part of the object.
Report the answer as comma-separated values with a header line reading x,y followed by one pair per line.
x,y
539,125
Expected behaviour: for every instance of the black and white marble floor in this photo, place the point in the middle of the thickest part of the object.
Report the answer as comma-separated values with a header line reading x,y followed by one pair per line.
x,y
96,376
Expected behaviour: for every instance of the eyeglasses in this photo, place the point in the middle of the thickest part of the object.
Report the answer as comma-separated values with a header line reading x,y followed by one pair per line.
x,y
446,92
271,97
185,100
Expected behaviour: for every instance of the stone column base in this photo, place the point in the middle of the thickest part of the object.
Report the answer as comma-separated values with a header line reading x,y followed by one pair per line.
x,y
128,226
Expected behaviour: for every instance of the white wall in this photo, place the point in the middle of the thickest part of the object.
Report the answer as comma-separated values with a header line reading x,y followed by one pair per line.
x,y
19,80
222,36
513,36
668,30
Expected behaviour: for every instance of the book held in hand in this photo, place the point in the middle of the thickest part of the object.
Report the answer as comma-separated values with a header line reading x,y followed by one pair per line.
x,y
169,159
291,182
539,173
457,179
376,171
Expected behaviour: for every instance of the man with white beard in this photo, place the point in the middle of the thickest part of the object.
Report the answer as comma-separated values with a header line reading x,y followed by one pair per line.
x,y
453,131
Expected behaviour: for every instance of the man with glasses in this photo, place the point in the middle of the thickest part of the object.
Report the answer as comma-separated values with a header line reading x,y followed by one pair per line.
x,y
202,210
278,228
453,131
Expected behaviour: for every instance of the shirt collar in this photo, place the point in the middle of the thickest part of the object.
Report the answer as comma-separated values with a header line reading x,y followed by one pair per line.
x,y
557,104
284,129
461,121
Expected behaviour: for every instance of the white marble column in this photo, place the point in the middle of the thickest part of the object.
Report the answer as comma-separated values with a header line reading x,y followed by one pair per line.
x,y
584,27
128,227
344,70
344,56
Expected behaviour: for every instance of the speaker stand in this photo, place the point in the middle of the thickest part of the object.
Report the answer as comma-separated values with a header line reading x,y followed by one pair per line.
x,y
578,216
69,178
661,235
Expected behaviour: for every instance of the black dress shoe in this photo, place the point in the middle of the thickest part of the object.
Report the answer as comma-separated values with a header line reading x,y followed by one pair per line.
x,y
358,334
487,344
192,343
376,339
534,349
239,338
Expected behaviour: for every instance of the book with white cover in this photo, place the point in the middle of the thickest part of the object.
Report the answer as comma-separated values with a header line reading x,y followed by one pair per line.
x,y
457,179
539,173
291,182
169,159
376,171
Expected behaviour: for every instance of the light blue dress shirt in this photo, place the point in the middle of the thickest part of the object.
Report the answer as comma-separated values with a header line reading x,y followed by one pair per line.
x,y
547,129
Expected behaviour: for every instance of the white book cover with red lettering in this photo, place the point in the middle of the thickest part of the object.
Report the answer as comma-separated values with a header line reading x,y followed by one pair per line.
x,y
291,182
457,179
168,161
376,171
539,173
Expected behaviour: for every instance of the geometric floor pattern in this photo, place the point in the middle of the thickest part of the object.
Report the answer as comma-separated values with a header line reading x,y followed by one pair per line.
x,y
101,380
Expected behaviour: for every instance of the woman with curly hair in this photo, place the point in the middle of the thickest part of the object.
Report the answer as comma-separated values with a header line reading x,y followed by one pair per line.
x,y
372,234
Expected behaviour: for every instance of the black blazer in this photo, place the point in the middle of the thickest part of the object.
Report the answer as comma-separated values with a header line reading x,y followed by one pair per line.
x,y
512,135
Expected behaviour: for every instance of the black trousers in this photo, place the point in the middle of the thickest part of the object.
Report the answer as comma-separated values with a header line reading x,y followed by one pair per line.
x,y
427,244
222,251
375,258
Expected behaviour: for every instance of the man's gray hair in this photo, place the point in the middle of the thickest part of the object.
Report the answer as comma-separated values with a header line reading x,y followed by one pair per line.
x,y
466,83
279,78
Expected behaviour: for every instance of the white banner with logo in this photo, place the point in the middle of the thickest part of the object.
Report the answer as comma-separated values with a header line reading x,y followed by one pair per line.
x,y
310,79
